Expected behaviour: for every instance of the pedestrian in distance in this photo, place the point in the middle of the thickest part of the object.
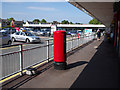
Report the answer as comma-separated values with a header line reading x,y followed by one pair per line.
x,y
98,35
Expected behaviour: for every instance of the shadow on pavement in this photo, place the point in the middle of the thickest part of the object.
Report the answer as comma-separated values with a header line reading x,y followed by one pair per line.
x,y
25,78
102,71
73,65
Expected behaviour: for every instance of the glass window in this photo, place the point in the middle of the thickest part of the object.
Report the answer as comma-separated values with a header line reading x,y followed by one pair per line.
x,y
22,33
17,33
28,34
3,34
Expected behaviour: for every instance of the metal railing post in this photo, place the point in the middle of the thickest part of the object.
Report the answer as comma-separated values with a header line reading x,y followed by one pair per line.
x,y
78,42
21,59
72,43
81,40
48,50
94,36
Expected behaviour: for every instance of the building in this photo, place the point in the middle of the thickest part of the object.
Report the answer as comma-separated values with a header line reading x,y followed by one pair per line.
x,y
6,23
28,22
108,14
18,23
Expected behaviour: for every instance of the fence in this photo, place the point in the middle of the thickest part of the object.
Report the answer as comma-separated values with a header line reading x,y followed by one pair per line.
x,y
17,61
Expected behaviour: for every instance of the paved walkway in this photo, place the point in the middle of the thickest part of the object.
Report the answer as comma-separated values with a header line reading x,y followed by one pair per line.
x,y
88,67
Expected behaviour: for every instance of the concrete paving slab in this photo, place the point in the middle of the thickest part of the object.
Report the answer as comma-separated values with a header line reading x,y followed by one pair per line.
x,y
88,67
64,78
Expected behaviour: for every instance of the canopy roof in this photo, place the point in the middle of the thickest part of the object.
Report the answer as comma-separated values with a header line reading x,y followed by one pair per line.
x,y
102,11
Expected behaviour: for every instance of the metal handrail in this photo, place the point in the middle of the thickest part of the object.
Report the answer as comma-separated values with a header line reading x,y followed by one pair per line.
x,y
21,50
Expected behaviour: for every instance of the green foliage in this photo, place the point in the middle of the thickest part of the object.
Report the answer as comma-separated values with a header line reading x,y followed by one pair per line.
x,y
43,21
36,21
70,23
8,26
3,27
10,19
64,22
79,23
94,21
55,22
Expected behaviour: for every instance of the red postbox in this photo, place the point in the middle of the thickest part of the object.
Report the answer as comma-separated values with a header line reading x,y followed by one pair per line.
x,y
60,50
78,35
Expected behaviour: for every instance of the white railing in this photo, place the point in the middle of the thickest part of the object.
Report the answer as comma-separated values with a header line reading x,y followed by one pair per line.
x,y
20,60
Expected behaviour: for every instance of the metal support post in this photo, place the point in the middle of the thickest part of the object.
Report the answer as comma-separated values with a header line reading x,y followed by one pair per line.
x,y
94,36
48,50
21,59
72,43
78,42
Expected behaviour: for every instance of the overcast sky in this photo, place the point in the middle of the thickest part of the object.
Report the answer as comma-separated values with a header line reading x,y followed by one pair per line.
x,y
51,11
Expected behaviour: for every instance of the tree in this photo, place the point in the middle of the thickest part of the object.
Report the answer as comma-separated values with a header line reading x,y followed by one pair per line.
x,y
94,21
64,22
55,22
70,23
43,21
10,19
79,23
36,21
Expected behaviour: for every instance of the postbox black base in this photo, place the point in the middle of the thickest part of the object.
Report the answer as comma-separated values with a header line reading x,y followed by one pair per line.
x,y
60,65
